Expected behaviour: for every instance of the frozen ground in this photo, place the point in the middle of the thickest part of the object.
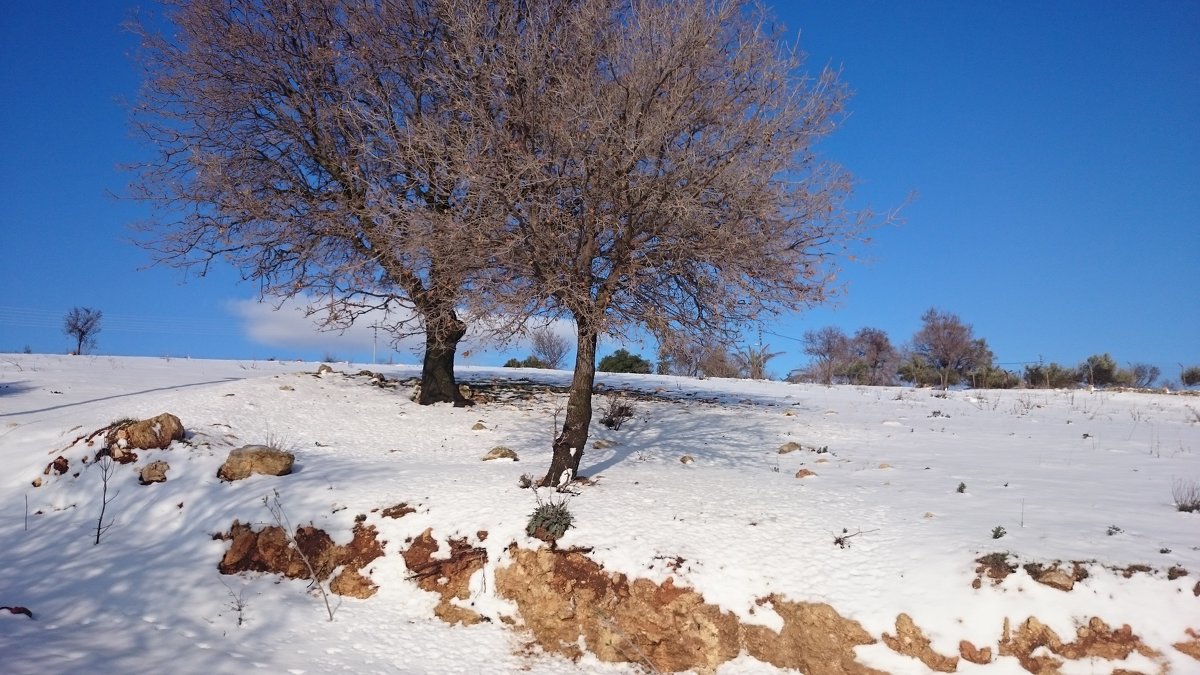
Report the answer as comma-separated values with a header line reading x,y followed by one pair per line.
x,y
1068,475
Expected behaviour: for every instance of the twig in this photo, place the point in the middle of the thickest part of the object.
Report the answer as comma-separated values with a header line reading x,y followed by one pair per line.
x,y
843,541
107,468
276,508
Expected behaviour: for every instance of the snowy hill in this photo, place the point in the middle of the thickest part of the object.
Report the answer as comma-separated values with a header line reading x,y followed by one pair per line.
x,y
882,505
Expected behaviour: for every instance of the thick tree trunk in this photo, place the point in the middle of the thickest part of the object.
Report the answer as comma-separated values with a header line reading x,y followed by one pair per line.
x,y
568,446
437,372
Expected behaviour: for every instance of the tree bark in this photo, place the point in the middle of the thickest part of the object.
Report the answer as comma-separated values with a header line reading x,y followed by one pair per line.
x,y
437,372
568,446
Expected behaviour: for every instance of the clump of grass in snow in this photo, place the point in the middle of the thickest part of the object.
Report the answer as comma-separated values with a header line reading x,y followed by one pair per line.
x,y
1186,494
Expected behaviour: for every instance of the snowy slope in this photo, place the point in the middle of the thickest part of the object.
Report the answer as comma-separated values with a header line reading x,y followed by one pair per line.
x,y
1068,475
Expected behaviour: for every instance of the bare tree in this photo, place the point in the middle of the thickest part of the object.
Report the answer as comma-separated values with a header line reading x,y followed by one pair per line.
x,y
288,141
653,163
829,348
549,347
948,345
875,359
82,324
1143,375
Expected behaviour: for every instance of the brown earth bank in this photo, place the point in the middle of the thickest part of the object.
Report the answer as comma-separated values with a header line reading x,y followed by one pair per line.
x,y
269,550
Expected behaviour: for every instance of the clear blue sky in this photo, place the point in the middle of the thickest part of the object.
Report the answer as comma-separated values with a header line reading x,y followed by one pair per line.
x,y
1054,148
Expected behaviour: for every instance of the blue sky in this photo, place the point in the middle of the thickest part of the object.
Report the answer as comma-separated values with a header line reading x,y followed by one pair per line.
x,y
1054,149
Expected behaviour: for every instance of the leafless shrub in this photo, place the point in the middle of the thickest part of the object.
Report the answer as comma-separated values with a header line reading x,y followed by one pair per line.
x,y
1186,494
82,324
275,506
107,468
617,410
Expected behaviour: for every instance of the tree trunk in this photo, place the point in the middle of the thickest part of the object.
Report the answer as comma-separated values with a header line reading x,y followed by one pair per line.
x,y
437,372
568,446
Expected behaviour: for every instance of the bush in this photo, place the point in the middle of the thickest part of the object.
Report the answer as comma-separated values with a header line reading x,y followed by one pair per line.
x,y
1190,376
529,362
617,411
1186,495
621,361
550,520
1101,370
1051,376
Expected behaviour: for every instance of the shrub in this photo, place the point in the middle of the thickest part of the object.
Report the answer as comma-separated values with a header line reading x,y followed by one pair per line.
x,y
617,411
1186,494
550,520
1051,376
528,362
621,361
998,532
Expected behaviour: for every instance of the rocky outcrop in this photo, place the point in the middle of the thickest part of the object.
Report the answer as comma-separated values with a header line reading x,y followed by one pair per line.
x,y
910,641
251,459
1038,648
269,550
449,577
155,433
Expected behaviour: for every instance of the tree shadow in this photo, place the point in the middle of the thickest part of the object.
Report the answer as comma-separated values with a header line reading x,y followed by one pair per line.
x,y
14,388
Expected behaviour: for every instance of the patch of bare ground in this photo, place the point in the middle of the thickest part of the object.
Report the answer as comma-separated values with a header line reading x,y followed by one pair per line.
x,y
1040,650
910,641
1191,646
567,600
448,577
268,550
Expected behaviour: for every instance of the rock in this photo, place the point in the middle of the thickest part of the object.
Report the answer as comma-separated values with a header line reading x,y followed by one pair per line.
x,y
970,652
687,459
158,432
1037,647
805,473
603,444
479,426
324,368
37,482
1056,578
252,459
398,511
286,387
910,641
500,452
885,465
58,467
790,446
154,472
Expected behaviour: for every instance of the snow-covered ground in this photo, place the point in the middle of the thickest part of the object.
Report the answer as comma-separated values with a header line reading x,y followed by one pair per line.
x,y
1065,475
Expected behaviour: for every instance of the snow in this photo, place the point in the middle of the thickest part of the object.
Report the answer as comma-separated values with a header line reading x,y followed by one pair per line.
x,y
1057,470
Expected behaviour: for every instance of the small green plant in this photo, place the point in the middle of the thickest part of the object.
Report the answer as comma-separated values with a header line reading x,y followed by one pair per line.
x,y
1113,529
962,487
550,520
998,532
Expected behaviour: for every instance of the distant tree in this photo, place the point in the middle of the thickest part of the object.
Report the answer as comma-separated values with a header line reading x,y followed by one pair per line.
x,y
1189,375
1052,376
916,370
994,377
82,324
873,358
948,346
829,348
528,362
679,357
719,363
752,361
1101,370
621,361
549,347
1143,375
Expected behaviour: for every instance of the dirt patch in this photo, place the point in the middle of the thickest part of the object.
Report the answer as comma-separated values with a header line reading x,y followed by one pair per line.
x,y
994,566
910,641
448,577
268,550
58,467
398,511
568,600
970,652
1190,647
1094,640
1055,576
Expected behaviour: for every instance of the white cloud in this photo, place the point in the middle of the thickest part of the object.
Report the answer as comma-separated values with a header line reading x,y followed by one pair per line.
x,y
288,328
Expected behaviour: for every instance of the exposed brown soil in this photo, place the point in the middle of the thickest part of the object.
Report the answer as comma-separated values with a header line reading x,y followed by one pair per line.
x,y
448,577
910,641
563,597
1191,647
970,652
398,511
994,566
58,467
1095,640
268,550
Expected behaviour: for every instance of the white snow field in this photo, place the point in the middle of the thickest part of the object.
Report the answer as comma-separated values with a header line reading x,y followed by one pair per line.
x,y
1071,476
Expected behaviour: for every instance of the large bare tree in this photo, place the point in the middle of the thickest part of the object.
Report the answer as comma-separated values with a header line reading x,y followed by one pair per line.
x,y
653,163
948,346
290,140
